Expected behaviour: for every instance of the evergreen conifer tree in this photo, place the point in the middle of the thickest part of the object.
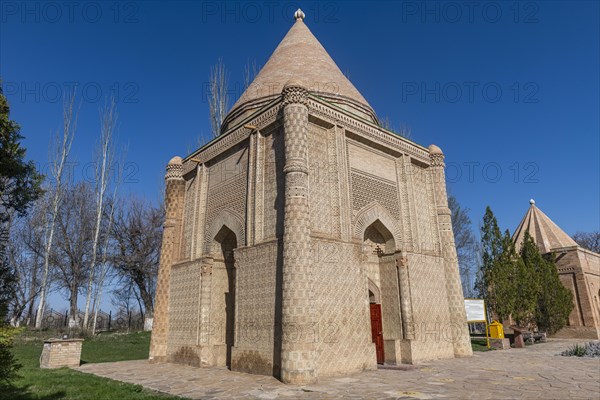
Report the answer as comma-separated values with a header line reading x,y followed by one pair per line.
x,y
553,302
496,279
527,283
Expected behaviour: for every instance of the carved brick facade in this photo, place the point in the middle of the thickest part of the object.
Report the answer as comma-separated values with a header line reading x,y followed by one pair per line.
x,y
281,232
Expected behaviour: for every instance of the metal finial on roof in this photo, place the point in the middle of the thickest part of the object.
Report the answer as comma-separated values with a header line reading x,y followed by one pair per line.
x,y
532,201
299,15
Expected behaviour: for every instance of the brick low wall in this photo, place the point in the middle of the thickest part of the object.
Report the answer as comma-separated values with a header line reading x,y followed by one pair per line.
x,y
59,353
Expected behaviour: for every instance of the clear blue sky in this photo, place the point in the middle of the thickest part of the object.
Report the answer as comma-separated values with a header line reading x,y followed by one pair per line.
x,y
502,87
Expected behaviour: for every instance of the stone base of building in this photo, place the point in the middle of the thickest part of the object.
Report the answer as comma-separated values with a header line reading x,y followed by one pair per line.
x,y
200,356
260,361
407,347
402,351
59,353
577,332
393,351
252,362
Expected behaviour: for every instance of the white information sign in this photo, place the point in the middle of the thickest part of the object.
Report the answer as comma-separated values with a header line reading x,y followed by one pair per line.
x,y
475,309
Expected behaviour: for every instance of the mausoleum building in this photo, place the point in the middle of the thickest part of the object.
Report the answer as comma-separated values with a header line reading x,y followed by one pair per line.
x,y
306,240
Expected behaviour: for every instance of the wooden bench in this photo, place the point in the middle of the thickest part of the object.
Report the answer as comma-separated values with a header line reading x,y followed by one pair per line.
x,y
533,337
523,334
519,339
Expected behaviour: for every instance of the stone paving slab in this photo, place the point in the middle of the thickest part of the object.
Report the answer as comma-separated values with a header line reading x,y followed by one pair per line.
x,y
536,372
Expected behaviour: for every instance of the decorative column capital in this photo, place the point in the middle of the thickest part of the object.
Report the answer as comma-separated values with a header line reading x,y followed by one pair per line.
x,y
206,270
174,169
436,156
401,260
443,210
294,92
296,165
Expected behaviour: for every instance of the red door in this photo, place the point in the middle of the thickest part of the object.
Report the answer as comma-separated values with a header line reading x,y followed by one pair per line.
x,y
377,331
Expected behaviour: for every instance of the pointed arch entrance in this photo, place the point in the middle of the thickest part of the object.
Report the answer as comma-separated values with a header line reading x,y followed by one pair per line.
x,y
224,288
379,249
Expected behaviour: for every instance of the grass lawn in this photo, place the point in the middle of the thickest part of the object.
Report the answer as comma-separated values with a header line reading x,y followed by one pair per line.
x,y
65,383
479,344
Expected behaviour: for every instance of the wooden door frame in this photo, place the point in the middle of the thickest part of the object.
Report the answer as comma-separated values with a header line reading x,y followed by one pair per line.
x,y
379,345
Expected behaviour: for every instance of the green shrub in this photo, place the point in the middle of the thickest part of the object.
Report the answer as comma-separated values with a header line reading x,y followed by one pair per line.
x,y
8,364
591,349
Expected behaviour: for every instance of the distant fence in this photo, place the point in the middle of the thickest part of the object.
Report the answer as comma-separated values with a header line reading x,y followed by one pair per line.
x,y
119,321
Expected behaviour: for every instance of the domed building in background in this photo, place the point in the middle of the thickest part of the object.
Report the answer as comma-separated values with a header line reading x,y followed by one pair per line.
x,y
306,240
578,270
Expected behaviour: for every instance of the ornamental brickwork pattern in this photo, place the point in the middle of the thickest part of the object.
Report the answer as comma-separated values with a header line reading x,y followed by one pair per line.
x,y
366,189
221,302
425,209
298,359
320,181
184,326
257,274
174,195
342,330
432,324
273,185
227,185
191,197
405,203
390,297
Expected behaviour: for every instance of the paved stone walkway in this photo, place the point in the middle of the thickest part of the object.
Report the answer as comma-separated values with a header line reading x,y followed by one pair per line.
x,y
531,373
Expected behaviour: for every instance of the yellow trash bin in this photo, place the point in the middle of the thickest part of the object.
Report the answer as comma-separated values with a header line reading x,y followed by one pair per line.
x,y
496,330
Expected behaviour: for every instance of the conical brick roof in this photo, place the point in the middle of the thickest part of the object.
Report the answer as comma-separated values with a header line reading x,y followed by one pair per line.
x,y
301,57
544,232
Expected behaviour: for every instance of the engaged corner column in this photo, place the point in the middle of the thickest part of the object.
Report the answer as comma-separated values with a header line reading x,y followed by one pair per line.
x,y
175,190
298,351
456,305
408,330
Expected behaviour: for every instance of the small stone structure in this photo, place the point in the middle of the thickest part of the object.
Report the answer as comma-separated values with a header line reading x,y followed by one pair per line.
x,y
59,353
500,344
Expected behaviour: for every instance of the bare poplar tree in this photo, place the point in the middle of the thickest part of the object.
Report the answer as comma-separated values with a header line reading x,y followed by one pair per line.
x,y
386,123
467,247
103,163
123,296
104,262
137,233
15,258
404,130
25,255
73,251
59,160
588,240
250,72
218,98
